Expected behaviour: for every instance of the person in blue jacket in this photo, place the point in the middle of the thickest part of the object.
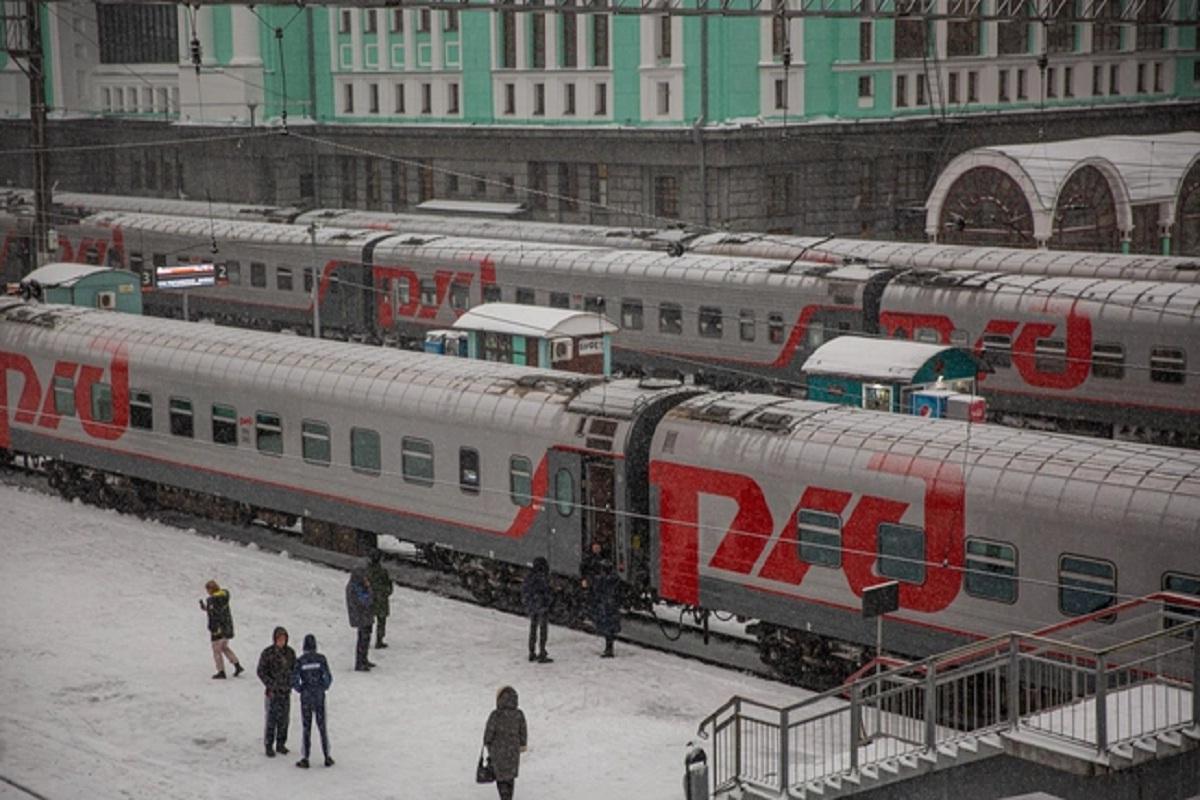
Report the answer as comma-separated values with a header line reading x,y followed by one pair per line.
x,y
311,678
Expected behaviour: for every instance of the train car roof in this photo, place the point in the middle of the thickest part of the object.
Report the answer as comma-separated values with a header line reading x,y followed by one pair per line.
x,y
421,385
874,358
529,320
204,230
804,423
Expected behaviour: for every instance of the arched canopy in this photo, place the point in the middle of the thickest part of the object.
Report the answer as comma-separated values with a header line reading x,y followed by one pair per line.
x,y
1137,171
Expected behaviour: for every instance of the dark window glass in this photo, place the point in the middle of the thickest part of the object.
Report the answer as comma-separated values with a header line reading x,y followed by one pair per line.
x,y
180,412
526,296
1108,361
1085,585
746,325
670,318
991,570
314,442
775,328
820,537
594,304
1167,365
141,410
468,470
1178,582
564,492
997,350
224,424
492,293
416,460
364,451
258,274
64,397
269,433
560,300
710,324
283,279
520,480
901,550
631,314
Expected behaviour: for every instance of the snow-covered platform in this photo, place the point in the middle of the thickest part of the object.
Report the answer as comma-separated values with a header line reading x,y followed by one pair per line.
x,y
105,664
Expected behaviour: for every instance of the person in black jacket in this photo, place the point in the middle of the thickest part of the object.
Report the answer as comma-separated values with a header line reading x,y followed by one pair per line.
x,y
275,671
359,609
220,628
606,606
311,678
536,594
381,592
506,737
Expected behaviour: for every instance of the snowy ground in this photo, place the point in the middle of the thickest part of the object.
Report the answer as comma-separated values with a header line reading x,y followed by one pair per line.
x,y
105,664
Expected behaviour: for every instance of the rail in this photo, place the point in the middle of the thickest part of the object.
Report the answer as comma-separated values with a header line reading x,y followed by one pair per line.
x,y
1098,697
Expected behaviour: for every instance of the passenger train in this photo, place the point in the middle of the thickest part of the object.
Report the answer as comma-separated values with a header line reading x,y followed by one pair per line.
x,y
1102,357
834,250
775,509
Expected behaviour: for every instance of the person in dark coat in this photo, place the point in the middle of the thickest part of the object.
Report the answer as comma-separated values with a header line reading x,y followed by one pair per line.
x,y
506,737
275,671
359,609
606,606
220,628
535,592
381,592
311,678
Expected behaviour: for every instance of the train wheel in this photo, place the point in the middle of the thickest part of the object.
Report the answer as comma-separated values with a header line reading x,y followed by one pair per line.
x,y
479,585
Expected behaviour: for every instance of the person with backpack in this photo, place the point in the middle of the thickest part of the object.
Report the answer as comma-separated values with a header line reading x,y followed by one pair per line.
x,y
311,678
220,629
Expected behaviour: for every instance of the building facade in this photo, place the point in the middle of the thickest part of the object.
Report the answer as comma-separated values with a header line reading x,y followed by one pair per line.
x,y
809,125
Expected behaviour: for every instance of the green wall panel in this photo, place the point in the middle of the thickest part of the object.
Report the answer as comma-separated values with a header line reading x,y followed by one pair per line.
x,y
476,67
222,29
625,33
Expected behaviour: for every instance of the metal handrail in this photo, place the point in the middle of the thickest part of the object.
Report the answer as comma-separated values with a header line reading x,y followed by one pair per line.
x,y
1010,681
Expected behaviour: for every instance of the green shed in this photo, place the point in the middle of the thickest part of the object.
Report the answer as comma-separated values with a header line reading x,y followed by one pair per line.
x,y
85,285
895,375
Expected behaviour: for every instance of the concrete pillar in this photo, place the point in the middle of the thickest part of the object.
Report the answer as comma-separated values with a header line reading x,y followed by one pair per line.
x,y
246,29
437,51
522,23
552,28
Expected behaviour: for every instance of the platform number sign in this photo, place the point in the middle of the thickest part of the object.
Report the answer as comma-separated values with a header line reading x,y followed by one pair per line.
x,y
880,599
190,276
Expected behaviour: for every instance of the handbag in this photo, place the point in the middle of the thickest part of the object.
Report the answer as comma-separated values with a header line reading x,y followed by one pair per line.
x,y
484,772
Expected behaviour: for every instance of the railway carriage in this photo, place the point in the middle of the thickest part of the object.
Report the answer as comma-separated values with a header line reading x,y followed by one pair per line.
x,y
777,509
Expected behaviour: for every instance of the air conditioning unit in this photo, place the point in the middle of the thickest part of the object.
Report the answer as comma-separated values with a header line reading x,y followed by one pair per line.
x,y
106,300
561,350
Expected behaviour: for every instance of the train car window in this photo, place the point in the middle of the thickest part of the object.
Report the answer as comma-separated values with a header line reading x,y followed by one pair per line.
x,y
820,537
901,551
564,492
102,410
92,255
428,293
492,293
159,259
365,453
416,460
526,297
258,274
1085,585
1167,365
308,279
141,410
927,335
468,470
268,430
631,314
816,335
595,304
460,296
746,324
64,397
233,272
520,480
283,279
137,264
960,338
314,442
670,318
1108,361
179,411
710,324
991,570
1180,583
775,328
1050,355
224,424
560,300
997,349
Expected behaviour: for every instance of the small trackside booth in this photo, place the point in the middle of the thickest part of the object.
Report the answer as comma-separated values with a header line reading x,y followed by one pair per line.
x,y
901,376
85,285
533,336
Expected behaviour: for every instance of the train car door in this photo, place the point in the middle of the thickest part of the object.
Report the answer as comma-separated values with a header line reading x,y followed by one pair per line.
x,y
565,511
601,520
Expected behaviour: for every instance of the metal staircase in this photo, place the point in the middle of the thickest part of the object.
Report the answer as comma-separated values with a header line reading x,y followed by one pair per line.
x,y
1072,698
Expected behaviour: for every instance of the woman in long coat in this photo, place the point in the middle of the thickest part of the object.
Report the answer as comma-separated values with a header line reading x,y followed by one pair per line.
x,y
505,737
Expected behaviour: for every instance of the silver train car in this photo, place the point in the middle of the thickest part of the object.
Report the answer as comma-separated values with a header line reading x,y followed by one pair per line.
x,y
1102,357
775,509
778,247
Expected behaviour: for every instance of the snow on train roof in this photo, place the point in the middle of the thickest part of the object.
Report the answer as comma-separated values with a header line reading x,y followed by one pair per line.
x,y
330,370
528,320
982,446
254,230
187,208
876,359
63,273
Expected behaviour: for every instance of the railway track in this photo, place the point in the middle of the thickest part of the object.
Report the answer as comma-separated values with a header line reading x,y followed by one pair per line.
x,y
688,641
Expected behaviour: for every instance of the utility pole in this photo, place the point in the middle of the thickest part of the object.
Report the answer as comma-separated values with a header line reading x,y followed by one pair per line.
x,y
29,58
